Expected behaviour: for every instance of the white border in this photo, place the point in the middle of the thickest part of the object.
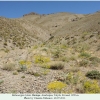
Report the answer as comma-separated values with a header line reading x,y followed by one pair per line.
x,y
71,97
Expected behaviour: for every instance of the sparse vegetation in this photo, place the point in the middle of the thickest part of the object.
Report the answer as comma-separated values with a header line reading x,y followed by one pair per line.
x,y
38,50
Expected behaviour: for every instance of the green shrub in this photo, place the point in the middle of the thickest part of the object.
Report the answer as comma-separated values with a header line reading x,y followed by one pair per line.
x,y
9,67
91,87
93,74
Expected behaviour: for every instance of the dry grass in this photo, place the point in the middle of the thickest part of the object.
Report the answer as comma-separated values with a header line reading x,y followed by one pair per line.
x,y
9,67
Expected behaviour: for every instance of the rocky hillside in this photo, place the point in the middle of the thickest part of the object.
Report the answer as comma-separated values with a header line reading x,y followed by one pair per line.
x,y
41,52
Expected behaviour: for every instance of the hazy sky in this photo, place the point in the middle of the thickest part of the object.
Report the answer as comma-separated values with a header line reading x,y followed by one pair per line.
x,y
15,9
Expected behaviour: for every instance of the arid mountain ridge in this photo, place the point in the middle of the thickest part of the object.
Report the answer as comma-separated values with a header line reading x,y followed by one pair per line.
x,y
33,28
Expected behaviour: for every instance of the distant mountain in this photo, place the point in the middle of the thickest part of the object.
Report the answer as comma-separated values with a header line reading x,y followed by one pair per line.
x,y
33,28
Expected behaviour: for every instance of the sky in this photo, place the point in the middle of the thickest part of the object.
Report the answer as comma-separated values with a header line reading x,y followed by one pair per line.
x,y
16,9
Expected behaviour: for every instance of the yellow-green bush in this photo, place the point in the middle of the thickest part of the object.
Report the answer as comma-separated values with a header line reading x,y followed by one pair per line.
x,y
91,87
41,59
27,63
56,86
54,65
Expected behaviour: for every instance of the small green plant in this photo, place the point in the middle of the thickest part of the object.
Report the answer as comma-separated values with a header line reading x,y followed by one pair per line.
x,y
23,77
91,87
84,55
39,59
15,73
93,74
56,86
24,65
5,44
84,63
9,67
36,74
1,81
